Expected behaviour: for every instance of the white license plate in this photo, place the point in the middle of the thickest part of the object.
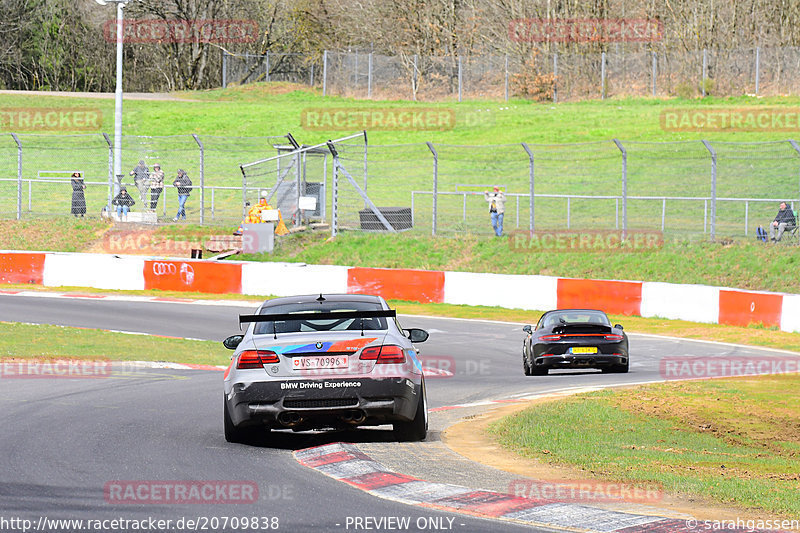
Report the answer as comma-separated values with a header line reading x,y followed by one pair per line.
x,y
317,363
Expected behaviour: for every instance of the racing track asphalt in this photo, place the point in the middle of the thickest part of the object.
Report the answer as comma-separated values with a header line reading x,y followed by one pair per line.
x,y
62,440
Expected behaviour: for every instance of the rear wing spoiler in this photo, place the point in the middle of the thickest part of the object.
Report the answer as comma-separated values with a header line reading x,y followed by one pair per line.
x,y
330,315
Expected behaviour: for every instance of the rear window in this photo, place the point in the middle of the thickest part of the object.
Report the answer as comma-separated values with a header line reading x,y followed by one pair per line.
x,y
575,317
311,325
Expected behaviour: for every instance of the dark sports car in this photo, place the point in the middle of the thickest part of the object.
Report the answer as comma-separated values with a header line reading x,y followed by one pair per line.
x,y
574,338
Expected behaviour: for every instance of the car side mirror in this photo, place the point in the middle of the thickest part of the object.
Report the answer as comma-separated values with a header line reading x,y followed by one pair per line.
x,y
233,341
527,329
417,335
618,326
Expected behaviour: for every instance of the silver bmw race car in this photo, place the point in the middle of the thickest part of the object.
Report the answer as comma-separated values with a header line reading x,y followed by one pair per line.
x,y
333,361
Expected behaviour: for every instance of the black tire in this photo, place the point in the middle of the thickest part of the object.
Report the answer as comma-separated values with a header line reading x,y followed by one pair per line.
x,y
621,369
525,366
416,429
232,433
238,434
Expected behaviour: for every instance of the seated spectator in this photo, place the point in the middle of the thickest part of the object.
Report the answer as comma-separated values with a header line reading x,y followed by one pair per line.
x,y
123,201
783,220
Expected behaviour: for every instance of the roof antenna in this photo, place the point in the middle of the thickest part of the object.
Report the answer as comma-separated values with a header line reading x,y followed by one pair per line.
x,y
321,298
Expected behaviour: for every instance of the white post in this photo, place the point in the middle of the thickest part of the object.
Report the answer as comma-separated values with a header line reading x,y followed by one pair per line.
x,y
118,97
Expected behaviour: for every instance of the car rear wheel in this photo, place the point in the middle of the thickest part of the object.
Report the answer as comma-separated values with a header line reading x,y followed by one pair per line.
x,y
539,370
525,366
416,429
237,434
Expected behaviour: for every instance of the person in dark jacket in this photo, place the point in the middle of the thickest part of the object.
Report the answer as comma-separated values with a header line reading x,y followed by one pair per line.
x,y
124,202
783,220
184,186
141,174
78,197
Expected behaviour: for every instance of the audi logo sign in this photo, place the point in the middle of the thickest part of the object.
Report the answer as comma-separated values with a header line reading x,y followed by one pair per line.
x,y
185,271
162,269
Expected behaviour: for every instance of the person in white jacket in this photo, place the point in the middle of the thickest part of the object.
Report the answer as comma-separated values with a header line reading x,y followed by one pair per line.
x,y
497,206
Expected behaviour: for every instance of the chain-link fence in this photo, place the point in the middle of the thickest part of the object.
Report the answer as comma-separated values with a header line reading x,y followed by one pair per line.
x,y
559,76
697,188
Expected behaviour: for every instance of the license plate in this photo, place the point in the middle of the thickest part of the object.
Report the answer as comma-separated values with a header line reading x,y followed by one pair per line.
x,y
316,363
584,349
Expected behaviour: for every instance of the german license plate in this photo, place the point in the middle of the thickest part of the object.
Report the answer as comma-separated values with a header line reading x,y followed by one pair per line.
x,y
584,349
317,363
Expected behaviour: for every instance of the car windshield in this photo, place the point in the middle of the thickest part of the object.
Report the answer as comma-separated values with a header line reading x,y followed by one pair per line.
x,y
575,317
337,324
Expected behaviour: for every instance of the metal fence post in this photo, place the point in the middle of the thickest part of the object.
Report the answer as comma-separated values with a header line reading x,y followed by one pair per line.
x,y
266,66
335,194
435,182
111,192
758,65
624,187
655,72
506,78
555,77
796,149
414,80
369,76
459,78
224,69
19,176
324,72
202,180
705,66
602,75
713,187
532,222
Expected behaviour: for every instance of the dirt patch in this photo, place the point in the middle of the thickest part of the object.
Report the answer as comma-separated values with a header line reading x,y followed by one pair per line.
x,y
471,439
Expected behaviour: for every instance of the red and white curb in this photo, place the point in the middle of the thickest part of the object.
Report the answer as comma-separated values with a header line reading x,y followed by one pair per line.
x,y
345,462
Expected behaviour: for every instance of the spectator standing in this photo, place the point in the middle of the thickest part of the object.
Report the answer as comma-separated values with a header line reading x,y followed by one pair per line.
x,y
124,202
783,220
184,186
78,197
497,207
156,185
140,175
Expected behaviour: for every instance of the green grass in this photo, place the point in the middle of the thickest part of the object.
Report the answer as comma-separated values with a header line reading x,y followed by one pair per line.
x,y
219,116
729,440
68,235
743,264
28,341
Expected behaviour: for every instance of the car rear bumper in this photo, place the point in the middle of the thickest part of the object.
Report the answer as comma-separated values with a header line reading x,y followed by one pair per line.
x,y
308,404
598,360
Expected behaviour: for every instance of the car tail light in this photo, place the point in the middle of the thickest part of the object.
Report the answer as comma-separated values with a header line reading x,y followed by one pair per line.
x,y
550,337
388,354
256,359
613,337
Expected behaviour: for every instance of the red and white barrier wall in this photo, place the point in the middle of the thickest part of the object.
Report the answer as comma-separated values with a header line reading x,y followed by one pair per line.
x,y
696,303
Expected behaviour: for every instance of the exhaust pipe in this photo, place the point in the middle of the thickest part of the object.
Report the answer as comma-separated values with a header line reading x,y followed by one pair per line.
x,y
354,417
289,419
